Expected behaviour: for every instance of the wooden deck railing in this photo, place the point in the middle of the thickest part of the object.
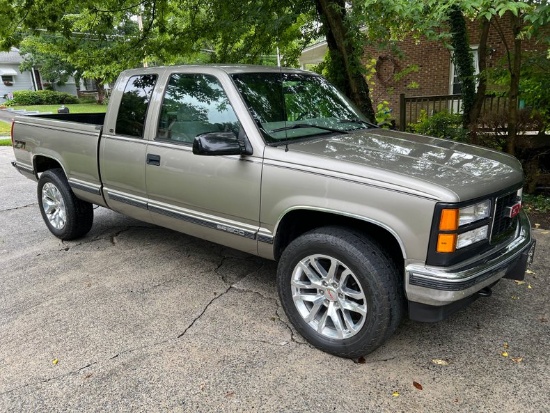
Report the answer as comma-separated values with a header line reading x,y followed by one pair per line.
x,y
411,108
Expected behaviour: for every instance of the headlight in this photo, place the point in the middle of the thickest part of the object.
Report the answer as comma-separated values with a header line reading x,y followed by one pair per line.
x,y
453,219
471,237
473,213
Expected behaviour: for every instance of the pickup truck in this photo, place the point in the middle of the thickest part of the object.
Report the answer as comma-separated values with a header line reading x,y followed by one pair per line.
x,y
367,224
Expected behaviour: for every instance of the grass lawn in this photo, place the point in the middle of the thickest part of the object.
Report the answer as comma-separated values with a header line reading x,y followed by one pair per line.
x,y
76,108
5,128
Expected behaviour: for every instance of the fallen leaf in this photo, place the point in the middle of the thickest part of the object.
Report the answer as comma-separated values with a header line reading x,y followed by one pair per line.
x,y
395,394
504,354
87,376
537,226
505,345
529,286
516,359
55,361
519,282
515,297
530,272
545,232
440,362
417,385
543,320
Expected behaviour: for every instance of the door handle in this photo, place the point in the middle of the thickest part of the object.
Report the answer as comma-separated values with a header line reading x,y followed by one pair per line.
x,y
153,159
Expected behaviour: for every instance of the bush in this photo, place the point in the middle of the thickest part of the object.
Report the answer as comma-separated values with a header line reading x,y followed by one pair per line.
x,y
440,125
41,97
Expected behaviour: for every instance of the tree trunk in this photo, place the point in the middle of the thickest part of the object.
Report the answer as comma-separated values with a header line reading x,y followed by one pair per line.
x,y
346,66
100,91
462,58
475,111
515,71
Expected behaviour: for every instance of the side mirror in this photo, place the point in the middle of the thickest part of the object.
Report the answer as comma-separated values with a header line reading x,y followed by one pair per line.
x,y
218,143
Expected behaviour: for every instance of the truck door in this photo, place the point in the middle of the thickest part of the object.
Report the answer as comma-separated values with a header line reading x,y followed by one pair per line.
x,y
122,152
212,197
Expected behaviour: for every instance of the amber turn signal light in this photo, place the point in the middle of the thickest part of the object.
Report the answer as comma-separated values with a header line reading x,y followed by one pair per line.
x,y
449,220
446,243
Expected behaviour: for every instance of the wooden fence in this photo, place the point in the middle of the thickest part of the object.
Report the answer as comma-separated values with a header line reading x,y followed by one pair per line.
x,y
411,108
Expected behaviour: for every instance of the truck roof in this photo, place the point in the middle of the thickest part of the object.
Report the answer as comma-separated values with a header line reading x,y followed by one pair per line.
x,y
226,68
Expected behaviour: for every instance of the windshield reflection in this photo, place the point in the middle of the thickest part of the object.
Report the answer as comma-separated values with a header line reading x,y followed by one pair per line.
x,y
289,106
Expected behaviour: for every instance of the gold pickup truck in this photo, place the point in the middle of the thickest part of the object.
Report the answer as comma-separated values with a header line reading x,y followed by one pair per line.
x,y
367,224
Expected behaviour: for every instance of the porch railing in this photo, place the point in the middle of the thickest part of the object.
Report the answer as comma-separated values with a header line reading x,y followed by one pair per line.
x,y
411,108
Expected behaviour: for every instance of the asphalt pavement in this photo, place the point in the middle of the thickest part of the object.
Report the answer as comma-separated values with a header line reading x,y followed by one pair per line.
x,y
135,317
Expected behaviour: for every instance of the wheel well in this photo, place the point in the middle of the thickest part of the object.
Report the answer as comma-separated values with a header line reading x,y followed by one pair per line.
x,y
42,163
298,222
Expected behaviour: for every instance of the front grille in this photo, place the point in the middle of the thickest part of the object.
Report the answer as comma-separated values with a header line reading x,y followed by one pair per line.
x,y
502,225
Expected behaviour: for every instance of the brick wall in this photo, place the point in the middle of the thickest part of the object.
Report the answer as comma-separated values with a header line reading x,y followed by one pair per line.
x,y
433,60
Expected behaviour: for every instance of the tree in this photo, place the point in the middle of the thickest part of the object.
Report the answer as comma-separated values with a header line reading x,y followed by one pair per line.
x,y
463,61
344,65
40,52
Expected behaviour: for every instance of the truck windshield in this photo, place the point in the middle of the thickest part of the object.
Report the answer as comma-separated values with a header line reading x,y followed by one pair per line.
x,y
294,106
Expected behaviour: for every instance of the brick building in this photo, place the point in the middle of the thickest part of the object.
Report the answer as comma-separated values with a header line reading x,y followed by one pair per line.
x,y
434,71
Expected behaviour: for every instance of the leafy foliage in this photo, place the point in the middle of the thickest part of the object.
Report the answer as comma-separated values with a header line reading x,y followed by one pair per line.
x,y
462,58
41,97
440,125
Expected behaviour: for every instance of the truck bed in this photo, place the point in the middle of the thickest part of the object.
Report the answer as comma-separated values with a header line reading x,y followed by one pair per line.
x,y
72,140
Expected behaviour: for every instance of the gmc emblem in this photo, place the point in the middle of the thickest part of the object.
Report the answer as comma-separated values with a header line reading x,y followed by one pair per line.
x,y
512,211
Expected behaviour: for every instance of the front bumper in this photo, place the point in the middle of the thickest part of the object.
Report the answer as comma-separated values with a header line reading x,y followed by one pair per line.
x,y
434,292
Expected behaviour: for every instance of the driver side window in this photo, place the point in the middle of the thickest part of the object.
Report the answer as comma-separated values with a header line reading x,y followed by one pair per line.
x,y
194,104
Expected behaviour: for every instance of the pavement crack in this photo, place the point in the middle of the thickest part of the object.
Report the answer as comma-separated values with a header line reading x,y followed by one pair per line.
x,y
18,207
203,311
113,237
44,381
278,316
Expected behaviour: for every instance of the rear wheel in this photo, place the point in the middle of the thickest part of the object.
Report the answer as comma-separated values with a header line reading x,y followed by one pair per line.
x,y
340,291
66,216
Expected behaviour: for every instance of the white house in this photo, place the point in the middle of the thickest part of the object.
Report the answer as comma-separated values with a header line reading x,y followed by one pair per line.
x,y
13,79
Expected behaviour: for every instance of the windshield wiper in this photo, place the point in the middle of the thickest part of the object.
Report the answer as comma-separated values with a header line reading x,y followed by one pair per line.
x,y
307,125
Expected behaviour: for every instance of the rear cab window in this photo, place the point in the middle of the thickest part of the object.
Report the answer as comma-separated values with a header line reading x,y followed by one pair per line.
x,y
134,105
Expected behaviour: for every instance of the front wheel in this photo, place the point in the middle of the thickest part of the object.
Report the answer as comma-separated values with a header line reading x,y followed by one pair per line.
x,y
66,216
340,291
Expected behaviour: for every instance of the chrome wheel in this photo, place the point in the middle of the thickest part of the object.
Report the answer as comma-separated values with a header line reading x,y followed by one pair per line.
x,y
54,206
328,296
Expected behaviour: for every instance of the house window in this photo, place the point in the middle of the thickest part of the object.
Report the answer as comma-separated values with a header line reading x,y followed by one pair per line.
x,y
456,86
7,80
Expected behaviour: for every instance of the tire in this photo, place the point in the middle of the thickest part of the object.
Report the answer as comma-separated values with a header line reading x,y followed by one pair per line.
x,y
340,290
66,216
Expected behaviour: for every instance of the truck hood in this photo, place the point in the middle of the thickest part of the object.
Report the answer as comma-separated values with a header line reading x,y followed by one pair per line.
x,y
443,169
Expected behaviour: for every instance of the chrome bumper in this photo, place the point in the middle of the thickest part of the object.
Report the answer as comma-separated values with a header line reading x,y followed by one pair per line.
x,y
436,286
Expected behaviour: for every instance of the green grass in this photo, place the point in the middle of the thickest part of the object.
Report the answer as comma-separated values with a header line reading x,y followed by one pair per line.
x,y
5,142
76,108
5,128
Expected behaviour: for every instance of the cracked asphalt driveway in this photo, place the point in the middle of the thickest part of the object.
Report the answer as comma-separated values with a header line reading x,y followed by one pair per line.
x,y
140,318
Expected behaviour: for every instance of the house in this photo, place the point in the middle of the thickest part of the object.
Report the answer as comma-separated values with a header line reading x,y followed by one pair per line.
x,y
13,79
425,67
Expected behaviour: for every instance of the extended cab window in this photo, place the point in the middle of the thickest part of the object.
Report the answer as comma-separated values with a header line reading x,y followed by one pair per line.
x,y
133,106
194,104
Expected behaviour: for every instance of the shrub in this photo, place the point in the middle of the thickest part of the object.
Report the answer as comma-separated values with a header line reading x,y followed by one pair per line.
x,y
41,97
440,125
